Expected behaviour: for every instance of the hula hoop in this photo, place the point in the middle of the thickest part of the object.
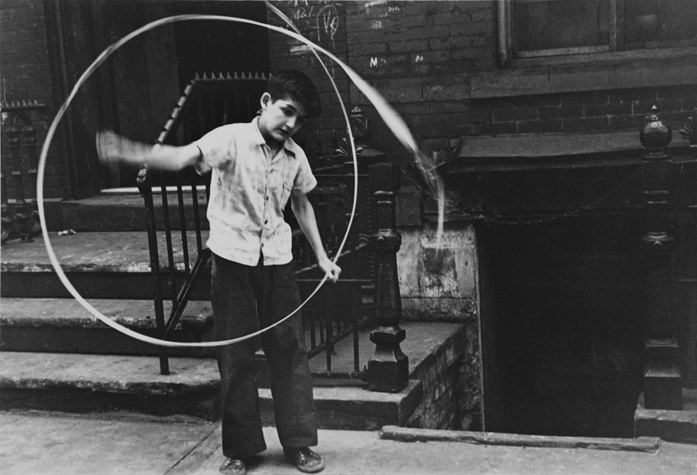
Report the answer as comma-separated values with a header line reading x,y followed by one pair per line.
x,y
391,118
61,112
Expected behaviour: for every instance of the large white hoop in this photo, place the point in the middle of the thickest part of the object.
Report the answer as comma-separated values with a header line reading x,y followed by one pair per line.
x,y
391,118
61,112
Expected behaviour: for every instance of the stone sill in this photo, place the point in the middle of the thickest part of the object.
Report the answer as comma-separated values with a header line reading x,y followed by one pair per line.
x,y
556,150
589,72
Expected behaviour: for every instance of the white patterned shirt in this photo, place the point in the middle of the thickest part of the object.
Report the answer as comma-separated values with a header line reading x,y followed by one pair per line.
x,y
249,190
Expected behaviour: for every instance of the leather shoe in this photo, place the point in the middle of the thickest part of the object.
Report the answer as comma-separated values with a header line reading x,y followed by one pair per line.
x,y
305,459
233,467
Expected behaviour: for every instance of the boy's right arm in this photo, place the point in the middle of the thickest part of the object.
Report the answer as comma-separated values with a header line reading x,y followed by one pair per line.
x,y
114,148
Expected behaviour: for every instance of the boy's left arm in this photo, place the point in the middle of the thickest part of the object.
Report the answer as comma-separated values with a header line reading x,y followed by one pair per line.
x,y
305,214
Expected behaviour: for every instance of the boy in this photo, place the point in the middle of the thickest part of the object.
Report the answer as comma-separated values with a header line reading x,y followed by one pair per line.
x,y
256,167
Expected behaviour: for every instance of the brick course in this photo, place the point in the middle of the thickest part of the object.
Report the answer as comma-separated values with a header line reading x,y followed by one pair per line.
x,y
598,111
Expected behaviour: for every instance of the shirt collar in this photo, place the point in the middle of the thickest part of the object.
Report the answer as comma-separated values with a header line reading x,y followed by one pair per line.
x,y
288,145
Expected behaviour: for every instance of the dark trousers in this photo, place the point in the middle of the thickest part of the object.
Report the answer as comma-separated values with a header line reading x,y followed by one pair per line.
x,y
244,299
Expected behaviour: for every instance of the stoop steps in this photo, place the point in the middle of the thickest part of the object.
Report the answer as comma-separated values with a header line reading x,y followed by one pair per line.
x,y
54,355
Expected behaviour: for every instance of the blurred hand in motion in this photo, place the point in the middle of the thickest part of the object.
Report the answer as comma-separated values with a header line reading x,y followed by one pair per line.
x,y
113,148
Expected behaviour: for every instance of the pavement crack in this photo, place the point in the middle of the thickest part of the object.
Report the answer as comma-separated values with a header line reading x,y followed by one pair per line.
x,y
193,449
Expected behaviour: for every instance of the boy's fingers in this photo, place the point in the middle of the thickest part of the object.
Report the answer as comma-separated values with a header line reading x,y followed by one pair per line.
x,y
334,273
106,143
113,148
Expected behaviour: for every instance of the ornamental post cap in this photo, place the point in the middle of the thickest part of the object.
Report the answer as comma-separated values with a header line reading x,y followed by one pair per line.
x,y
655,132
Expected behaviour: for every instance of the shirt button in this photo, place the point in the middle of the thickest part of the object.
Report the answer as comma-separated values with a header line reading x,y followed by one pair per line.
x,y
266,221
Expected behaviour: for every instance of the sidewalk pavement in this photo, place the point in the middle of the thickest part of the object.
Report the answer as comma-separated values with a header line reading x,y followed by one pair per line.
x,y
57,443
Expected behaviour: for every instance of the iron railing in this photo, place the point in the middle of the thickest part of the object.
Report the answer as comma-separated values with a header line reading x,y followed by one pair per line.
x,y
176,223
19,214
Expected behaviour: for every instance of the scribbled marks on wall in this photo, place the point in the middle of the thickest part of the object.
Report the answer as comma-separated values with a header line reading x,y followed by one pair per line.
x,y
317,19
377,62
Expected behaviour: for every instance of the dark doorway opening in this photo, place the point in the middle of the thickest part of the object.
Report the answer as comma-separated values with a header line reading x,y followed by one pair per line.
x,y
148,75
214,47
562,325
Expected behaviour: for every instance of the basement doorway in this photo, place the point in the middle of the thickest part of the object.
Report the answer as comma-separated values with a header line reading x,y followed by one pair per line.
x,y
562,328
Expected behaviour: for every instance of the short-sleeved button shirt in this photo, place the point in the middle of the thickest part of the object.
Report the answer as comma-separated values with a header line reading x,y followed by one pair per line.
x,y
249,190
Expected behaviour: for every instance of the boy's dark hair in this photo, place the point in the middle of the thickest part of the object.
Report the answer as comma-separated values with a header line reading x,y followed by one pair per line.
x,y
296,85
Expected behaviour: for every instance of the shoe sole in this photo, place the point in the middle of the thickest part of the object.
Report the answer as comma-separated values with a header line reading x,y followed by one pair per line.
x,y
316,469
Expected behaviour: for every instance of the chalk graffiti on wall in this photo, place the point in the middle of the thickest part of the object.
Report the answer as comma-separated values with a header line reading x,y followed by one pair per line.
x,y
381,8
377,62
321,19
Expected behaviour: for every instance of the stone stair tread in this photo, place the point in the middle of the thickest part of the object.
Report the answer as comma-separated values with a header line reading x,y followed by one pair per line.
x,y
672,372
67,312
422,346
677,425
137,374
125,197
661,343
76,383
101,251
103,372
88,382
116,209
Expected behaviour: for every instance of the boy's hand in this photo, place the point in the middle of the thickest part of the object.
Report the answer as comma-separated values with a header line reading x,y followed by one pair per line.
x,y
330,269
113,148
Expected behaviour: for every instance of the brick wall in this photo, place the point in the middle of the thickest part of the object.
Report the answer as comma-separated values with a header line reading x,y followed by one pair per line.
x,y
596,111
415,54
420,56
323,23
450,384
26,75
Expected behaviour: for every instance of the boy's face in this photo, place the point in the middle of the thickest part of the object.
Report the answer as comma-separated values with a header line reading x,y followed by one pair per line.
x,y
280,118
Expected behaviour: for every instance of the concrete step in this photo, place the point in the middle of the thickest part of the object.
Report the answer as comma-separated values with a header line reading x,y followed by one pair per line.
x,y
97,383
93,383
662,348
672,425
63,326
120,210
123,209
101,265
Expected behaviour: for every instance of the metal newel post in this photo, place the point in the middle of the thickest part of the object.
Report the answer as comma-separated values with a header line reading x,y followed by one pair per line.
x,y
31,226
388,369
21,211
662,379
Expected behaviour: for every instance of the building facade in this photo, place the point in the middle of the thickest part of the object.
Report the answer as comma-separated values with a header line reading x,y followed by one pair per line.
x,y
529,111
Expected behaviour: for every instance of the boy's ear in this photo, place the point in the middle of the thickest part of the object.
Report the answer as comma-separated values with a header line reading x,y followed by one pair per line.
x,y
265,100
